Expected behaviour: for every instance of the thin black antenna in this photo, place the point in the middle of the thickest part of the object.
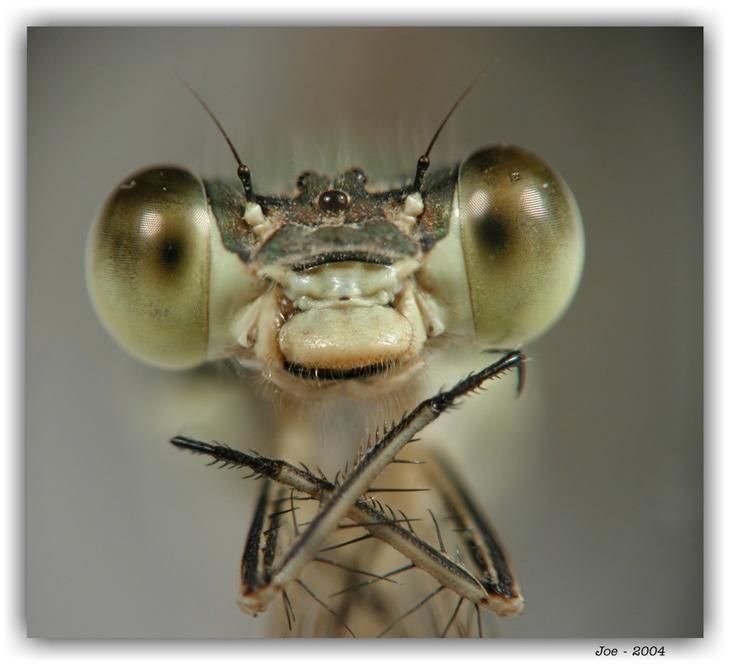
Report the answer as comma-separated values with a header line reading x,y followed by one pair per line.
x,y
243,172
424,161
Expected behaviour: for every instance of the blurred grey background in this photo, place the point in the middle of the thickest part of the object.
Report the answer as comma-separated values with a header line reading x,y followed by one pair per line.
x,y
598,494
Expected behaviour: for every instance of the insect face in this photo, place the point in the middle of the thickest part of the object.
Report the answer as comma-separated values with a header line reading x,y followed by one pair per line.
x,y
338,286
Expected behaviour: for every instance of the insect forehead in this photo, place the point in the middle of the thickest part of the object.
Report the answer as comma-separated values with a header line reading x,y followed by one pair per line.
x,y
332,218
332,196
352,180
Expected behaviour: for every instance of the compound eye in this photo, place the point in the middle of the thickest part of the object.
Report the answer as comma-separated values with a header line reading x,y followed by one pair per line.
x,y
147,267
522,239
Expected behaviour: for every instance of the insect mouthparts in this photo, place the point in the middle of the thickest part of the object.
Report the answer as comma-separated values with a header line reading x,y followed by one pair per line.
x,y
342,257
323,374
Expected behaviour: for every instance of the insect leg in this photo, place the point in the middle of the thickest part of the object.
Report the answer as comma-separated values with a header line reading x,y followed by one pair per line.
x,y
344,499
479,539
356,484
251,576
445,571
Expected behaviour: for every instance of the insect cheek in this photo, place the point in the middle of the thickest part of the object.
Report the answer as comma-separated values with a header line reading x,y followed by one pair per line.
x,y
522,239
443,277
234,288
148,267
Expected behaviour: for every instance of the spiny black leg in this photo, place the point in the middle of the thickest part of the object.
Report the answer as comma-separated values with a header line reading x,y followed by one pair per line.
x,y
250,575
355,485
479,538
421,553
272,535
345,499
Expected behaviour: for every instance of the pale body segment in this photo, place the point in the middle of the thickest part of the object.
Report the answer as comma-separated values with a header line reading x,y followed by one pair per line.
x,y
337,291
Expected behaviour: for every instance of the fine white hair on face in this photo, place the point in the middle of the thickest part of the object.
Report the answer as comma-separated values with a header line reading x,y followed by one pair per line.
x,y
388,156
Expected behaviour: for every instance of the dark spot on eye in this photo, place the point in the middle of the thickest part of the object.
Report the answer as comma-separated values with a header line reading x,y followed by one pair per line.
x,y
492,233
171,253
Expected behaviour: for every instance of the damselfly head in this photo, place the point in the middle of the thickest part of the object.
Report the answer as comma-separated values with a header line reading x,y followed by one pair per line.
x,y
339,286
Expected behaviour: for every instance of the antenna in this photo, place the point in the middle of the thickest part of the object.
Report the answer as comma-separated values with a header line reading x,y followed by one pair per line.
x,y
424,161
243,172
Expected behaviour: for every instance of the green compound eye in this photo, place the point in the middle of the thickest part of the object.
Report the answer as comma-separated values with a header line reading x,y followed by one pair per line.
x,y
522,239
148,267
